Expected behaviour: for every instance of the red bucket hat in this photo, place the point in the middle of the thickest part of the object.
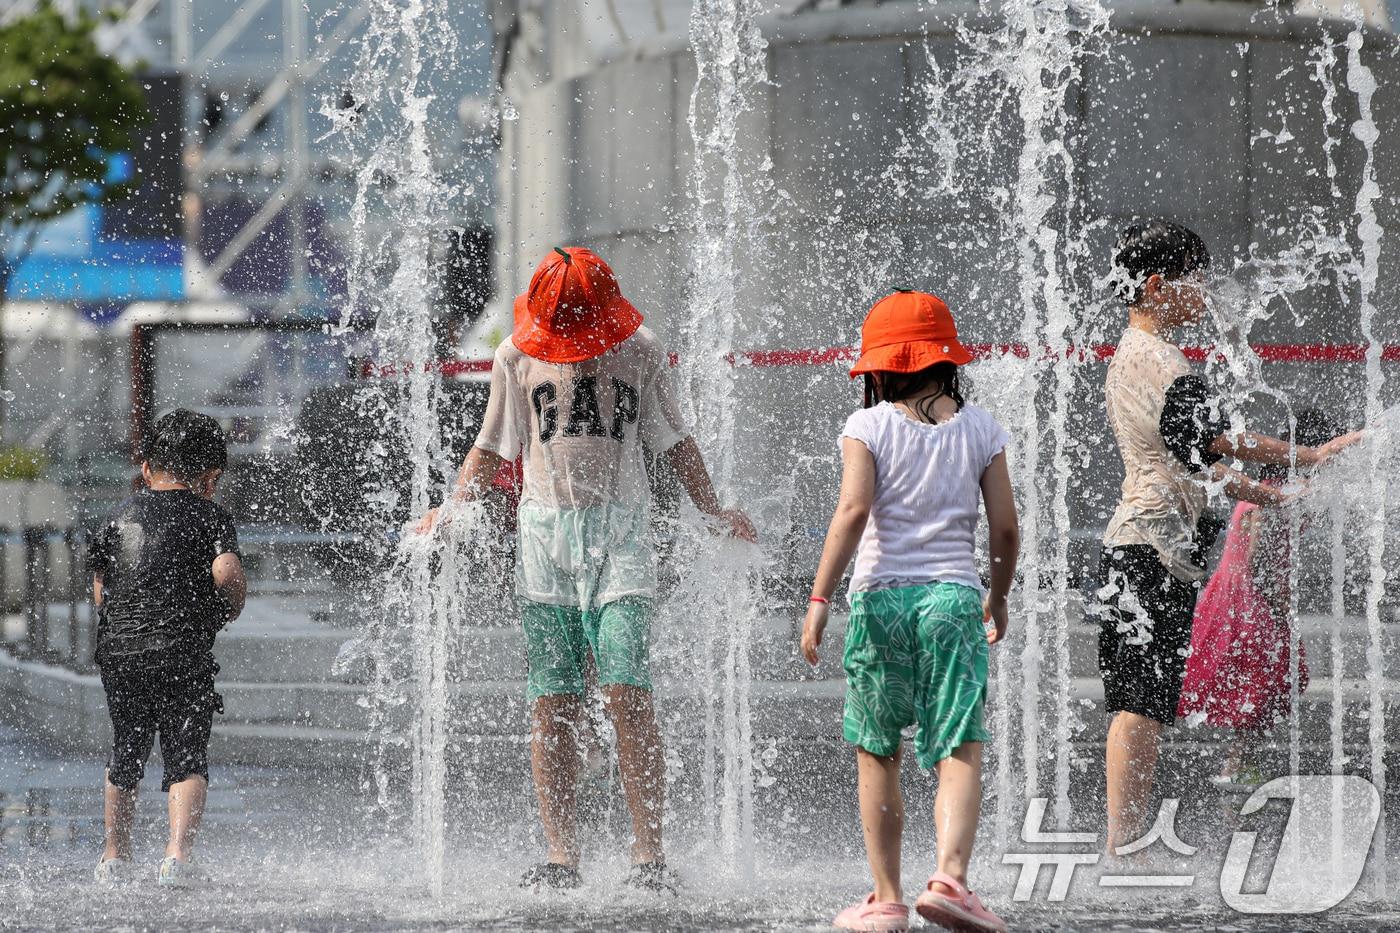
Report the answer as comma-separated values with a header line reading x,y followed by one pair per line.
x,y
906,332
573,310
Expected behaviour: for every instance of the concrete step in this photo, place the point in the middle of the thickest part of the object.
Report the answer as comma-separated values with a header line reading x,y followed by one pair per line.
x,y
773,651
1315,713
280,640
1316,633
283,689
290,746
275,640
317,723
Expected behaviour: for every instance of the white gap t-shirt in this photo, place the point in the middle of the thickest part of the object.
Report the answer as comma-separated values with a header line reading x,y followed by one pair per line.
x,y
581,429
928,494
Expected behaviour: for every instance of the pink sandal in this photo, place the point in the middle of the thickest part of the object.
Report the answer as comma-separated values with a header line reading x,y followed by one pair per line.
x,y
962,912
873,915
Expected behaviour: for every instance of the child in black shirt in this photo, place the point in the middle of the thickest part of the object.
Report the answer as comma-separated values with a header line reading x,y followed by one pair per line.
x,y
166,577
1173,438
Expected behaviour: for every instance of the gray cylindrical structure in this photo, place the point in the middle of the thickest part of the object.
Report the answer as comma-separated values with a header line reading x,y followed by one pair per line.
x,y
1207,113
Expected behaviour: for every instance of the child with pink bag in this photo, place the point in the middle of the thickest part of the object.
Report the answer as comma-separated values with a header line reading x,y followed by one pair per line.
x,y
1238,673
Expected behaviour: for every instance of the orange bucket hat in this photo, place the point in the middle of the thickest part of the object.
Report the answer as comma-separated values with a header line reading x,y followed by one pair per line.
x,y
906,332
573,310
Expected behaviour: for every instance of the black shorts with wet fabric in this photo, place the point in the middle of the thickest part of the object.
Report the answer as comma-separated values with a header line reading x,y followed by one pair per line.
x,y
1145,618
170,698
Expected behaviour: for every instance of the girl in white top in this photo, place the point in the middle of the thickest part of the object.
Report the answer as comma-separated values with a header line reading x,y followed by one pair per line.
x,y
918,462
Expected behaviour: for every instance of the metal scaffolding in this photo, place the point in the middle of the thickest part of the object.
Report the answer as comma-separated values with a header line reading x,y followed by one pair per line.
x,y
163,33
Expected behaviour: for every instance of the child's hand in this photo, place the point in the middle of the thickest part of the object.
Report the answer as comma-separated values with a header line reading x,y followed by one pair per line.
x,y
994,610
739,525
426,523
1336,445
812,630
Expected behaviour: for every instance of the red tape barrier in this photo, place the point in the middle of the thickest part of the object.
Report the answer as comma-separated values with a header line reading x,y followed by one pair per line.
x,y
826,356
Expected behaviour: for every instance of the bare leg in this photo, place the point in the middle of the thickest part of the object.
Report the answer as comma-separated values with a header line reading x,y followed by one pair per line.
x,y
592,749
1131,760
554,763
882,820
186,809
956,810
118,812
642,766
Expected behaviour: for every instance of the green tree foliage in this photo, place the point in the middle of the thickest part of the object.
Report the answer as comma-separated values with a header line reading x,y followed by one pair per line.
x,y
22,463
65,106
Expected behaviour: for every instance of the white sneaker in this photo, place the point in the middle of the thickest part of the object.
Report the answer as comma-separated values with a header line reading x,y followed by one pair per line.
x,y
177,874
113,871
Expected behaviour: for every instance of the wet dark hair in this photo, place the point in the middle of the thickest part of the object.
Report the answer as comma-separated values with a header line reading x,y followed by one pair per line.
x,y
893,387
186,444
1155,247
1313,429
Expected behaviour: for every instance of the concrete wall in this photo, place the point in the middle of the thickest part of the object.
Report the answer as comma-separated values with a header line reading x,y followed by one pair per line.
x,y
1180,113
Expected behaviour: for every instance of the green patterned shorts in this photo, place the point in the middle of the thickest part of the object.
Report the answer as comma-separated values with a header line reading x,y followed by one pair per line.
x,y
916,655
558,640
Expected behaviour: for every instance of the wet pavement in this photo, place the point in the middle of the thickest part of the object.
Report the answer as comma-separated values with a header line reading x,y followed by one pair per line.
x,y
291,849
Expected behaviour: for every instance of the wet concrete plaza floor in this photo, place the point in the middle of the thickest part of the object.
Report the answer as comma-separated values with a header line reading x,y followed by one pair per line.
x,y
290,851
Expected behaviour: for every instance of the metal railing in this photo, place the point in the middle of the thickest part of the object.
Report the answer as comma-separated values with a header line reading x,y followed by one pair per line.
x,y
54,621
42,591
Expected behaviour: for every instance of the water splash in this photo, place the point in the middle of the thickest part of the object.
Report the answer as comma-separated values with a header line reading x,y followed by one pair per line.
x,y
927,160
730,189
400,207
1257,288
1323,68
1052,36
1034,60
1362,82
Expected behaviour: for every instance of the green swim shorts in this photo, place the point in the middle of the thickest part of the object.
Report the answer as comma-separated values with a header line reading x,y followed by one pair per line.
x,y
916,655
558,640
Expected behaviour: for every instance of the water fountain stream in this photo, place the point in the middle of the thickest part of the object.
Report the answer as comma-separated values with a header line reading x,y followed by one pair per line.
x,y
1323,67
1362,82
730,191
1048,39
401,206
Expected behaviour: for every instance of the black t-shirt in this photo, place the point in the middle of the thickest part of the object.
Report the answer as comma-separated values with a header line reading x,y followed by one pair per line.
x,y
155,557
1192,421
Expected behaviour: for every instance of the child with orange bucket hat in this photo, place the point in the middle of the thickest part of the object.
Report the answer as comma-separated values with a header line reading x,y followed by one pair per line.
x,y
578,390
917,459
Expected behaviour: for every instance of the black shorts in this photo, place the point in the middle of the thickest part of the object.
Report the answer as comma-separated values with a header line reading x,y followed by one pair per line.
x,y
175,700
1144,632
